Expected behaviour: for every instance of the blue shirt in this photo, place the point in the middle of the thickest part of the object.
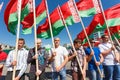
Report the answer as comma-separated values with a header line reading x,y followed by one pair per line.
x,y
91,63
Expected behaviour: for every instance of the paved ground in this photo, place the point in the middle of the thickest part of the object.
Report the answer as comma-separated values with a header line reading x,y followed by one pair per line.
x,y
48,73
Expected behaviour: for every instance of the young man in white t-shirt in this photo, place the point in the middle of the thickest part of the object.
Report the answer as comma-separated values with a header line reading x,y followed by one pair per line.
x,y
59,58
110,64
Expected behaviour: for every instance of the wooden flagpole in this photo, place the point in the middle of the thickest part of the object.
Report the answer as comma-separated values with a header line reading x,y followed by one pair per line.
x,y
87,38
1,5
35,37
17,36
117,47
116,40
51,31
70,40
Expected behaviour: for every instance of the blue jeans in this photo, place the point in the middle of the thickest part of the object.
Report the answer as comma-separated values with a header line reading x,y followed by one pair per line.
x,y
94,75
112,72
62,75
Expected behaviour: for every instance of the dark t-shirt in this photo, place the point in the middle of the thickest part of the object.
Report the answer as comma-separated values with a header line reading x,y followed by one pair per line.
x,y
42,59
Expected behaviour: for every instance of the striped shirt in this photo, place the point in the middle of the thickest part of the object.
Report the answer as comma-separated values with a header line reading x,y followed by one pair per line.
x,y
21,61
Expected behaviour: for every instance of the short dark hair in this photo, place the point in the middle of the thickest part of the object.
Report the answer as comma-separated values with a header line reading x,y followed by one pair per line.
x,y
0,46
91,40
77,41
103,36
21,39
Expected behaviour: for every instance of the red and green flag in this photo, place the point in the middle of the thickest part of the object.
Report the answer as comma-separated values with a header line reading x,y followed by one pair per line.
x,y
98,23
43,31
28,20
88,8
11,14
70,13
112,16
114,31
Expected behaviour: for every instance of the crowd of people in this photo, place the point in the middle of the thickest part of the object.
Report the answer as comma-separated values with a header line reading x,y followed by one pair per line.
x,y
103,61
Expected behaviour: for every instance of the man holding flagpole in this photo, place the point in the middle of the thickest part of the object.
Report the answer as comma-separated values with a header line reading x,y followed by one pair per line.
x,y
42,59
92,64
21,62
59,58
110,64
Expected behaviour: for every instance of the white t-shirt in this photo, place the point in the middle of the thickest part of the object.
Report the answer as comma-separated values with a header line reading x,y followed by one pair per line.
x,y
110,58
59,58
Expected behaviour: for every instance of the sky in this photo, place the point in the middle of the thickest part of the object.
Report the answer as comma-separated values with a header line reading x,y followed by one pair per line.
x,y
10,39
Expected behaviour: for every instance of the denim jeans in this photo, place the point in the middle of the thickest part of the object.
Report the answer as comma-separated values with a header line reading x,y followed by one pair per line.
x,y
94,75
62,75
112,72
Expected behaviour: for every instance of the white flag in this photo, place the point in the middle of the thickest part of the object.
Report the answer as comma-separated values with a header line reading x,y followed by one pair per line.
x,y
1,6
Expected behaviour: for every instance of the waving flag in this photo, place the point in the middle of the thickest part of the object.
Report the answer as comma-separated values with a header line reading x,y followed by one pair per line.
x,y
117,35
1,5
43,31
68,11
112,16
28,20
115,31
10,14
88,8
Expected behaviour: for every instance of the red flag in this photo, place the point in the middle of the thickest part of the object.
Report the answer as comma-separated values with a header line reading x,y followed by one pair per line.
x,y
113,30
56,22
88,8
73,10
90,28
43,31
10,15
113,18
40,14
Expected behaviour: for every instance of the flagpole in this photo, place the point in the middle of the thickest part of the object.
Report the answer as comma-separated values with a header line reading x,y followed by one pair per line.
x,y
117,47
50,29
35,37
17,37
87,37
100,4
70,40
1,5
116,40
